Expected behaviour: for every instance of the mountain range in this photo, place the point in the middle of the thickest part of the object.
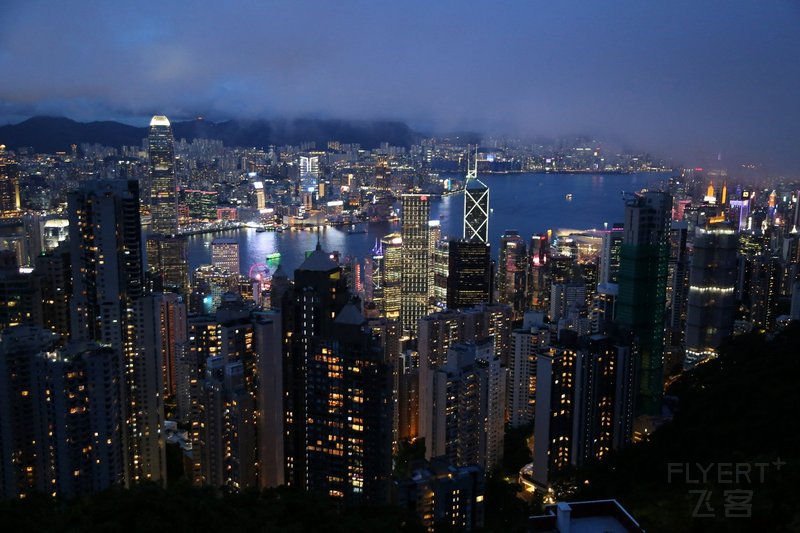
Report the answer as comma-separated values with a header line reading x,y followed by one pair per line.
x,y
54,134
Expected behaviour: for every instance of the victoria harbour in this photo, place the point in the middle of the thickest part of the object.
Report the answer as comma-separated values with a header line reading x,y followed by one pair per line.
x,y
528,202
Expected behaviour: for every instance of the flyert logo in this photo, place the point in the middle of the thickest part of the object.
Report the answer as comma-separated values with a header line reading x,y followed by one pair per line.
x,y
737,501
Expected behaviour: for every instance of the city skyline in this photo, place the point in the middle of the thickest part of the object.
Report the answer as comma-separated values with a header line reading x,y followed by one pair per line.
x,y
354,325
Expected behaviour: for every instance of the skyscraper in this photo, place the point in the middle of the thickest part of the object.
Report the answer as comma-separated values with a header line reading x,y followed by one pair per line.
x,y
338,384
163,183
63,416
168,259
526,343
110,306
9,186
469,277
644,258
225,254
476,206
415,260
711,301
511,272
167,252
466,405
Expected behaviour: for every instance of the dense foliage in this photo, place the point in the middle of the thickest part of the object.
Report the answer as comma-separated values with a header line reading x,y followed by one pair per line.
x,y
182,508
740,408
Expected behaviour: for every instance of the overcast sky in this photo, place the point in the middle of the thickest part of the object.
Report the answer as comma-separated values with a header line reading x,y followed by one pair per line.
x,y
689,79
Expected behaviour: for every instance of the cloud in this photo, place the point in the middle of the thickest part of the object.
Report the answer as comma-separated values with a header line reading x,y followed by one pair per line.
x,y
685,78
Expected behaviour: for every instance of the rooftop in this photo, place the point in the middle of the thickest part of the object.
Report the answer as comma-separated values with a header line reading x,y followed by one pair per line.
x,y
318,261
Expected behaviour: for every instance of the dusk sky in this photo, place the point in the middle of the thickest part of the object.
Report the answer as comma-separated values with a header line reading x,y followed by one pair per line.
x,y
687,79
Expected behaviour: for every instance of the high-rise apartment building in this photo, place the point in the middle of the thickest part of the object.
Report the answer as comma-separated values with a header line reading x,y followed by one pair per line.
x,y
526,343
466,406
224,443
338,386
644,258
63,416
440,493
109,305
415,259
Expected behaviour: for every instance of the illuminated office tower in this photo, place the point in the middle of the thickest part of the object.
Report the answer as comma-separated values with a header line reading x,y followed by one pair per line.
x,y
538,276
202,204
469,277
609,255
309,167
711,301
440,267
415,260
163,183
167,253
225,255
168,259
385,275
566,298
209,283
258,191
382,174
466,406
110,306
434,236
512,272
526,343
476,206
644,258
9,186
225,443
63,416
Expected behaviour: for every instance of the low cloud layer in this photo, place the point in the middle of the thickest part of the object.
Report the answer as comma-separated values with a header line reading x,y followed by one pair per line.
x,y
681,78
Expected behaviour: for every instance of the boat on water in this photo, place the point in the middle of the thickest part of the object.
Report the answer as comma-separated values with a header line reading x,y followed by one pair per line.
x,y
569,197
355,230
279,229
261,229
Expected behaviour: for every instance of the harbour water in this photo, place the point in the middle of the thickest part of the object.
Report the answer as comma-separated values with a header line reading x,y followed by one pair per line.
x,y
529,203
